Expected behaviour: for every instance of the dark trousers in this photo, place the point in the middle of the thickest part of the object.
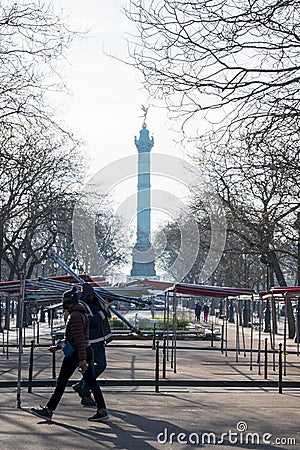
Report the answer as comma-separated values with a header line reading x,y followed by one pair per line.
x,y
99,366
68,367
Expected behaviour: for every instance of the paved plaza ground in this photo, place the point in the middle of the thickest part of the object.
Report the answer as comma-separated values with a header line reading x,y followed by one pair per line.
x,y
177,417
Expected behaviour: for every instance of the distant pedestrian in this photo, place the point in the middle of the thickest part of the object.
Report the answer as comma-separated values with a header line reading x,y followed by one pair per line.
x,y
220,309
197,311
205,312
81,355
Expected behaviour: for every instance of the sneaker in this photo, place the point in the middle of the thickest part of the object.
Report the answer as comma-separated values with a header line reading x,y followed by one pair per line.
x,y
99,417
42,412
88,401
77,388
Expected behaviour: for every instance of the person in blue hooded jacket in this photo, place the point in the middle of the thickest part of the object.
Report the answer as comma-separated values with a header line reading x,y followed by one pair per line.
x,y
99,335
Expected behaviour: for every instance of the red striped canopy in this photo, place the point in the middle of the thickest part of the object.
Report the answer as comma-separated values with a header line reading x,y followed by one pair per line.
x,y
285,290
210,291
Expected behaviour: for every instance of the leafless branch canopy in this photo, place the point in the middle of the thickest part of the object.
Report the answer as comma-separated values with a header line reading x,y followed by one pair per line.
x,y
237,58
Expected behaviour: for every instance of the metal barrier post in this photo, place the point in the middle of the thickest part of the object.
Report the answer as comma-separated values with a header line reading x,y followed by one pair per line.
x,y
30,368
53,361
38,332
24,334
20,338
222,339
164,356
212,335
154,336
266,359
157,367
7,339
280,369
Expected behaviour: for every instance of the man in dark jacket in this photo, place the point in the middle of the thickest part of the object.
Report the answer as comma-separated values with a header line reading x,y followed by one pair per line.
x,y
98,337
81,355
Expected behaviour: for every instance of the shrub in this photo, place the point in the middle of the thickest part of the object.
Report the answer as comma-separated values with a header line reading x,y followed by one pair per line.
x,y
117,323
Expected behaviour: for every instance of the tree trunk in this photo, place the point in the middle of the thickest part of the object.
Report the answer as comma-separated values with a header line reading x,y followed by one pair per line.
x,y
281,280
273,261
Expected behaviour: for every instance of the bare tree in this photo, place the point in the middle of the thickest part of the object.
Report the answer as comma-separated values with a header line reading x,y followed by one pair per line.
x,y
110,238
40,184
259,189
238,58
236,65
33,145
40,163
98,234
33,40
39,174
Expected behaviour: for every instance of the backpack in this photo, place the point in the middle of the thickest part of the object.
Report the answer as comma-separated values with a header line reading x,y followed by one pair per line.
x,y
104,330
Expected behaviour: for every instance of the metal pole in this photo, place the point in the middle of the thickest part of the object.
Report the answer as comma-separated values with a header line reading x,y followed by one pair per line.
x,y
243,337
251,333
157,367
259,333
7,338
1,328
53,361
222,337
285,334
21,317
273,302
33,328
172,344
24,327
266,359
298,325
226,328
30,368
154,336
38,333
237,343
174,331
164,357
167,308
212,335
280,369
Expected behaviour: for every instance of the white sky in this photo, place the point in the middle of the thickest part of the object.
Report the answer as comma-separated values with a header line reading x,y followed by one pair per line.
x,y
106,95
104,105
